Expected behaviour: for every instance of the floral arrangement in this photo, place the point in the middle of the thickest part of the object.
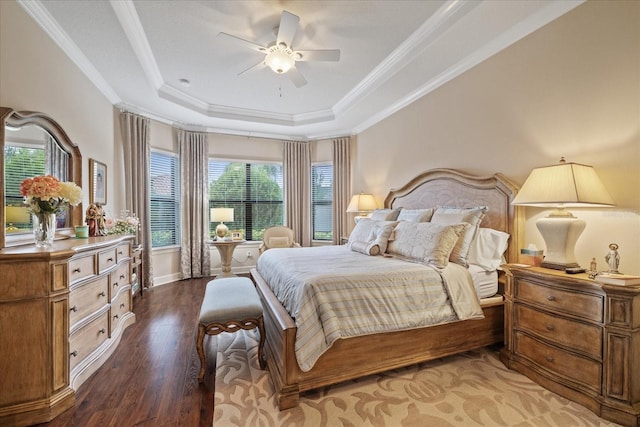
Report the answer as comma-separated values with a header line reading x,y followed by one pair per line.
x,y
127,224
47,194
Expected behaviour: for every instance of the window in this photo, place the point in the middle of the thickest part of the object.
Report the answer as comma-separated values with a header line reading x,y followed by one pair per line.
x,y
322,201
22,160
165,202
253,190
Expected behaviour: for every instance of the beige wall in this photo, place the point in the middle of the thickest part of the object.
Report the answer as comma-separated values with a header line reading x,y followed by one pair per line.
x,y
36,75
570,89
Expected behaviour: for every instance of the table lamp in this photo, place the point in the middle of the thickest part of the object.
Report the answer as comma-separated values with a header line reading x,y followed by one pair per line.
x,y
221,215
15,215
561,186
363,204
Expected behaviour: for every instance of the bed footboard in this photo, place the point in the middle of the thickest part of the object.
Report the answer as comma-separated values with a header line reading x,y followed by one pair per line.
x,y
279,347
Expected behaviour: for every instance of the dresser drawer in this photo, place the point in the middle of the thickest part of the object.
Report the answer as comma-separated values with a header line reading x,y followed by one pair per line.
x,y
106,259
560,300
119,307
123,251
81,268
569,333
119,278
563,363
86,339
87,298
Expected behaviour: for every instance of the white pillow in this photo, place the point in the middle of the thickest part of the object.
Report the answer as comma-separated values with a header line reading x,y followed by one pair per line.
x,y
370,231
487,248
415,215
385,214
365,248
450,215
425,242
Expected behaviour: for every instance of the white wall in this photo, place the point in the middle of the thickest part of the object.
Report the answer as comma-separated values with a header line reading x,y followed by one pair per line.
x,y
570,89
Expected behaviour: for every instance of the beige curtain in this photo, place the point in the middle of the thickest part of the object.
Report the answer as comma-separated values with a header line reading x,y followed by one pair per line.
x,y
135,143
297,189
341,187
194,196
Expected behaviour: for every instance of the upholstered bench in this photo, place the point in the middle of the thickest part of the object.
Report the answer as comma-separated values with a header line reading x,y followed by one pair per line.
x,y
229,304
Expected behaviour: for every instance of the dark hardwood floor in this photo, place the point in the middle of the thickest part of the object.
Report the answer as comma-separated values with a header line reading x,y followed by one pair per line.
x,y
151,379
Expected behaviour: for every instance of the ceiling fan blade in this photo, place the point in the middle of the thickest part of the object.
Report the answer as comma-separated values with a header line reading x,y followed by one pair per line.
x,y
242,42
296,77
260,65
288,27
319,55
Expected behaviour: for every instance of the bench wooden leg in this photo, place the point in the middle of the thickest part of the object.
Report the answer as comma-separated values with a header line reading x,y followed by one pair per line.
x,y
261,359
200,347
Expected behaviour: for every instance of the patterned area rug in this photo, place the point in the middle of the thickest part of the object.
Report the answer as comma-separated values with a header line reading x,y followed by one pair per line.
x,y
471,389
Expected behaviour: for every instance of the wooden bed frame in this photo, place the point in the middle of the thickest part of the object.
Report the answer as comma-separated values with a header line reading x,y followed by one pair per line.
x,y
360,356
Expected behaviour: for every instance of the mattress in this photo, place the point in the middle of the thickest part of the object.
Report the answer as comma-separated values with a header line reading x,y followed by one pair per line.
x,y
484,282
332,292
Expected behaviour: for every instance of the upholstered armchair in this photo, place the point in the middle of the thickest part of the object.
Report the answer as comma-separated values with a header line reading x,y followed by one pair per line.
x,y
277,237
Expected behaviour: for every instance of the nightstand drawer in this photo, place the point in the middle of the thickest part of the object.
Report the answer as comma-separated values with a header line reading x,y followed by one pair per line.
x,y
560,300
579,369
569,333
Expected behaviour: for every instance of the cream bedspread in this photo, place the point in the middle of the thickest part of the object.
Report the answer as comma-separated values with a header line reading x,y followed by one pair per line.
x,y
333,292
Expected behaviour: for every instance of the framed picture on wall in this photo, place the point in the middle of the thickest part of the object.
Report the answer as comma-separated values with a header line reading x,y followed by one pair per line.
x,y
97,182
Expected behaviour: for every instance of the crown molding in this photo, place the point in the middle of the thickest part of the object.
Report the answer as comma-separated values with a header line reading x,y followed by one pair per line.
x,y
43,18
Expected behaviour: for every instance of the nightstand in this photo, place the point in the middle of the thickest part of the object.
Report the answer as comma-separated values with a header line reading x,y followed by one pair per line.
x,y
575,337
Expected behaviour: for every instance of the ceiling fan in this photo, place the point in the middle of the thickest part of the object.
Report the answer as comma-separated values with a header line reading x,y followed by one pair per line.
x,y
280,56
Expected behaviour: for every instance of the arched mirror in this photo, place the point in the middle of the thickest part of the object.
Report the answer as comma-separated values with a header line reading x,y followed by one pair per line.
x,y
33,144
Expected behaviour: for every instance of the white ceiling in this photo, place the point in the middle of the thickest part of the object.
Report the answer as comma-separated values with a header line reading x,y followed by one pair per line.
x,y
392,53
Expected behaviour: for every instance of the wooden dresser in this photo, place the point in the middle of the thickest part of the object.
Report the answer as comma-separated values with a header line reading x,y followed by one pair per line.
x,y
63,311
577,338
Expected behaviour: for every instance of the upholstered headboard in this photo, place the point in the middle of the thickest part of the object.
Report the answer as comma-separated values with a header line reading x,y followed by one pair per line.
x,y
448,187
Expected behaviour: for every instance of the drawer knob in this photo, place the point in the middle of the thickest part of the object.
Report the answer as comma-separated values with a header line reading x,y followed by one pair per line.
x,y
102,331
76,270
115,284
551,298
122,276
120,253
74,309
550,327
115,316
102,294
549,359
74,353
122,305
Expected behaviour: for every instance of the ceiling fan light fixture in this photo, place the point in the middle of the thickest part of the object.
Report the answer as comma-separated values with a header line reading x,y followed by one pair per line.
x,y
280,61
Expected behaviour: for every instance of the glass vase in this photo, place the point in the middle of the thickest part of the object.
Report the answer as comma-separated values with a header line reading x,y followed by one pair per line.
x,y
44,229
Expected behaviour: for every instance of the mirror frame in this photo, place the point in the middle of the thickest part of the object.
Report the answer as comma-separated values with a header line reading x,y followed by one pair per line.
x,y
9,116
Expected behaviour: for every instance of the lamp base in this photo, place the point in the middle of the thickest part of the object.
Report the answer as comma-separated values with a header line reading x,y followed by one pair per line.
x,y
221,231
560,233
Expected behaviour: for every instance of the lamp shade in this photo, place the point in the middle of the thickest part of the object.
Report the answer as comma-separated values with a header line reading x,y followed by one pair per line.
x,y
564,184
561,186
17,215
221,214
362,203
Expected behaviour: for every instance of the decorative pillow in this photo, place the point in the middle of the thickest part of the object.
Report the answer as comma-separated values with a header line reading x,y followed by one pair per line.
x,y
385,214
473,216
415,215
365,248
425,241
278,242
370,231
487,248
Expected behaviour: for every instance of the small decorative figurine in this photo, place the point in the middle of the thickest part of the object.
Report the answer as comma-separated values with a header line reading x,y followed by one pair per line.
x,y
594,266
613,258
95,220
